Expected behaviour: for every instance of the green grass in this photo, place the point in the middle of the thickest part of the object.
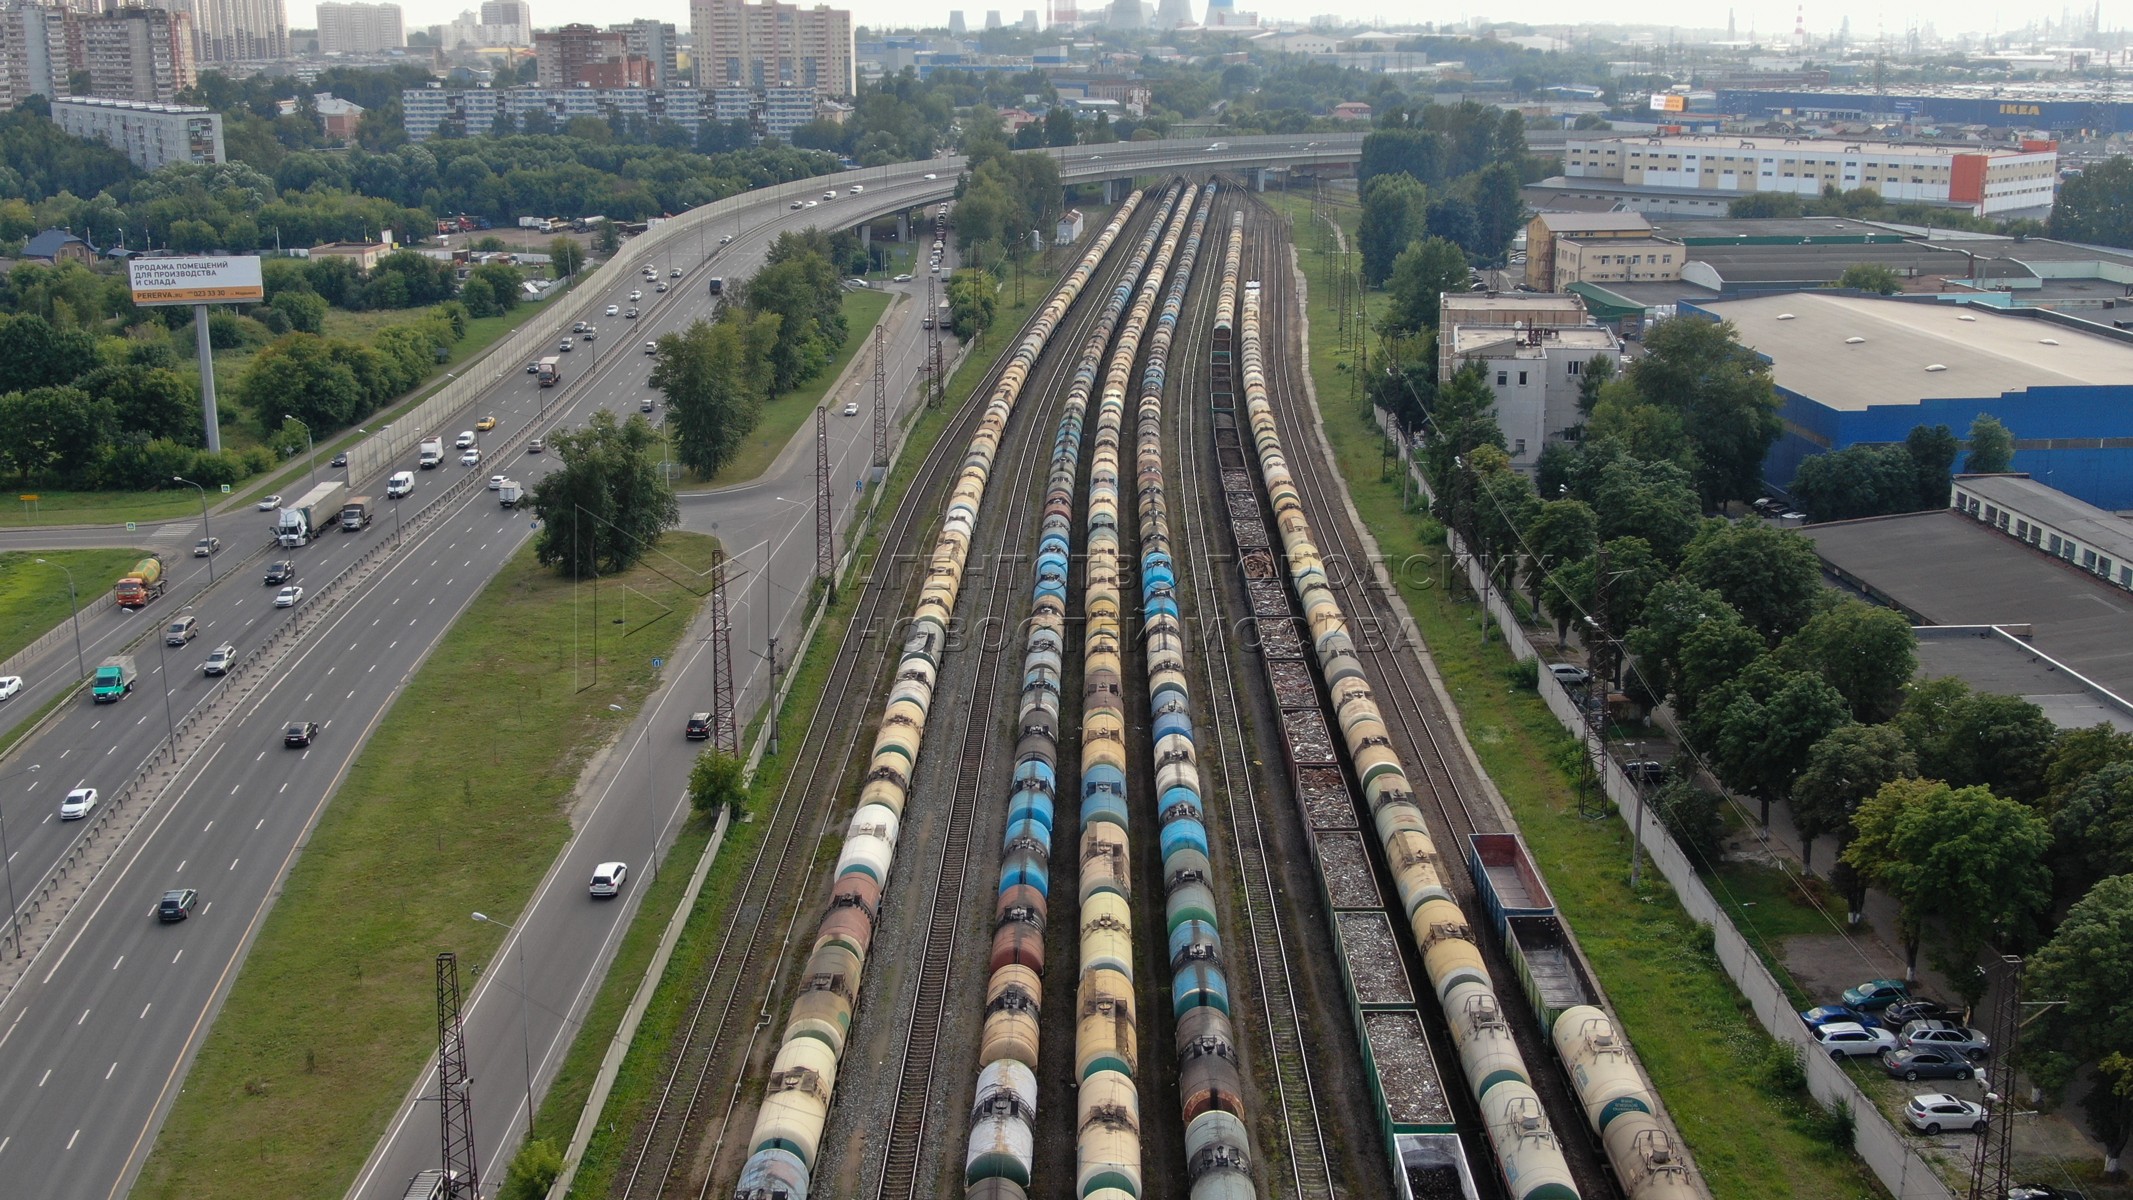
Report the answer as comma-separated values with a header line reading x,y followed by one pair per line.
x,y
784,415
637,1082
116,508
333,1012
1690,1026
33,598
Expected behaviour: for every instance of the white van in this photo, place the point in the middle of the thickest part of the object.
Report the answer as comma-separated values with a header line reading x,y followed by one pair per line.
x,y
466,439
400,484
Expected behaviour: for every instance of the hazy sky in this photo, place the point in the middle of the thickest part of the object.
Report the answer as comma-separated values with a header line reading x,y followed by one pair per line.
x,y
1771,21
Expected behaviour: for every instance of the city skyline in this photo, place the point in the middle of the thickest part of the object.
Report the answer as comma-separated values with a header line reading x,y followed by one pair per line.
x,y
1772,24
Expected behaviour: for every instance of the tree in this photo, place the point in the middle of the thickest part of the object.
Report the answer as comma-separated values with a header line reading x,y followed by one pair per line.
x,y
1651,500
1416,153
803,290
1764,721
1694,816
607,239
1395,213
606,507
1059,126
1849,764
2094,828
1878,278
1857,481
1865,651
1644,431
1971,861
479,297
533,1171
718,780
1991,448
147,402
1770,575
1421,275
2096,205
299,375
1561,532
1978,738
972,296
33,354
2080,753
1933,454
716,378
1499,203
1673,609
1597,374
1723,392
53,433
566,257
304,311
2088,965
505,280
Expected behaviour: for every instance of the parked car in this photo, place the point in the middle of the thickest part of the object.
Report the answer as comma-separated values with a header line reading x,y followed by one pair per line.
x,y
1830,1014
280,572
2042,1191
1570,674
299,733
1876,994
79,803
608,877
1931,1112
1849,1039
177,905
1945,1035
1903,1012
1645,772
9,685
288,596
269,503
1914,1065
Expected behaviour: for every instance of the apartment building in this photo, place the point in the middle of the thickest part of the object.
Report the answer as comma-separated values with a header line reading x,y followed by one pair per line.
x,y
236,31
354,28
1533,351
773,112
563,55
654,42
1986,181
151,135
772,45
506,22
141,54
33,52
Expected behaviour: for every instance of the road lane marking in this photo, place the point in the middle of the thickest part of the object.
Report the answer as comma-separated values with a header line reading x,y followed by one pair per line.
x,y
83,1017
210,825
47,1075
144,1010
115,966
114,1067
233,866
181,866
71,1140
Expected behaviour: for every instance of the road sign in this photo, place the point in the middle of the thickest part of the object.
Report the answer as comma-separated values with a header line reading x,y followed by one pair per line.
x,y
30,498
131,527
221,279
225,489
658,663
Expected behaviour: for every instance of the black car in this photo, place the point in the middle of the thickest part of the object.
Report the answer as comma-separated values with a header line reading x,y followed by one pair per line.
x,y
280,572
1645,772
299,733
699,727
339,460
177,905
1903,1012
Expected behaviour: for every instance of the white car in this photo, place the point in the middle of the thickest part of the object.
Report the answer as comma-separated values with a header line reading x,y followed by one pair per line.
x,y
466,439
830,195
471,458
78,804
614,310
931,175
9,685
495,482
269,503
903,279
796,206
1850,1039
1931,1112
608,877
651,347
851,409
636,293
288,596
814,204
727,240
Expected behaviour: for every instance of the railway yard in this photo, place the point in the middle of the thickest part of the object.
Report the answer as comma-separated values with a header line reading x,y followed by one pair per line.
x,y
1131,851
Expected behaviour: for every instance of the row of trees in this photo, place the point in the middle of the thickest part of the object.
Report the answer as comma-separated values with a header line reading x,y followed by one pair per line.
x,y
1874,480
332,383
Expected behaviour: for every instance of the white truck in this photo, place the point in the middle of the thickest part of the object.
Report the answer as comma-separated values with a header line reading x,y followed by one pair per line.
x,y
432,452
314,513
509,493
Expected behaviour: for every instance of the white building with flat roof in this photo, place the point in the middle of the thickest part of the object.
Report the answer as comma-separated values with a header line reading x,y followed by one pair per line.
x,y
355,28
151,135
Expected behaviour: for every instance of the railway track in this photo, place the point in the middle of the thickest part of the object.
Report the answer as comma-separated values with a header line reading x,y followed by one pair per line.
x,y
1413,715
1308,1166
742,983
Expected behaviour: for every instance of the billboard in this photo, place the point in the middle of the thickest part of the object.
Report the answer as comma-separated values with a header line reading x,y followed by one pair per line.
x,y
227,279
1669,102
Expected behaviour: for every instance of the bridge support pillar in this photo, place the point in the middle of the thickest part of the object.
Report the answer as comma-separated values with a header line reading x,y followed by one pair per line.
x,y
1259,178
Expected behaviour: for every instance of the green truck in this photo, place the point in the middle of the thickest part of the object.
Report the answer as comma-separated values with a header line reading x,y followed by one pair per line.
x,y
114,679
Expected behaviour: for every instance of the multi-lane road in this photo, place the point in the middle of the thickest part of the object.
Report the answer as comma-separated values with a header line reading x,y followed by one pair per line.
x,y
95,1039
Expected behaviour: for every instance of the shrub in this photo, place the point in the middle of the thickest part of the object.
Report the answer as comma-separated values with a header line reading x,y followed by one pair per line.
x,y
1693,816
1524,674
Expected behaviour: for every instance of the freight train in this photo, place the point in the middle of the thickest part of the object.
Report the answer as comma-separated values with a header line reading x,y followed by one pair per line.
x,y
1217,1141
788,1128
998,1165
1528,1154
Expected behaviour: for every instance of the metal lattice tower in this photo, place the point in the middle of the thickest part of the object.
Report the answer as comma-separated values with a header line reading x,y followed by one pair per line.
x,y
724,732
936,388
881,408
1992,1168
455,1101
825,531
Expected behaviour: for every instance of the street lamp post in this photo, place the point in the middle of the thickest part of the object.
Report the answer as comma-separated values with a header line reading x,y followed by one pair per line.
x,y
310,447
73,606
206,530
163,669
525,1017
14,915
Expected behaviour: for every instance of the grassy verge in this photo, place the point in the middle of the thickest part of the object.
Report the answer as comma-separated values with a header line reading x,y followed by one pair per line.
x,y
34,598
637,1083
96,508
784,415
1746,1122
332,1014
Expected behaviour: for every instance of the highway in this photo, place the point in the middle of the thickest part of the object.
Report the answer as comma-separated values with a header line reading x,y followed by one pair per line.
x,y
95,1039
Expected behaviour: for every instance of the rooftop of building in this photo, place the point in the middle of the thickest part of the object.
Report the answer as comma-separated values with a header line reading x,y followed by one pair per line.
x,y
1821,262
1506,341
1943,568
2101,91
1979,352
2096,528
2004,665
1797,229
1510,302
1614,244
130,105
1722,142
1593,222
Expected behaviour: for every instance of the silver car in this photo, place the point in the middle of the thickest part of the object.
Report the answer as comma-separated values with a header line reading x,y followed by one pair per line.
x,y
1945,1035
